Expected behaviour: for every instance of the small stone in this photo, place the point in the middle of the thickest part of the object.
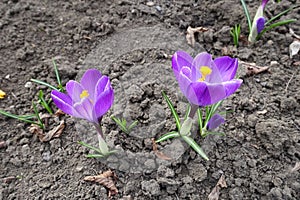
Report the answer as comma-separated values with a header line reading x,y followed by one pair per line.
x,y
28,84
46,156
79,168
150,3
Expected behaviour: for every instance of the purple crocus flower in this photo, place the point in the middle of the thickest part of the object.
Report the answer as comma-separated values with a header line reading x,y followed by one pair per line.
x,y
90,99
215,121
258,22
204,81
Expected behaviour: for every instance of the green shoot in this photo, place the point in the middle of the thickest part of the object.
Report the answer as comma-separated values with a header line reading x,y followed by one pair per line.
x,y
41,124
174,113
247,15
43,102
24,118
122,123
172,134
44,83
195,146
98,154
60,87
235,33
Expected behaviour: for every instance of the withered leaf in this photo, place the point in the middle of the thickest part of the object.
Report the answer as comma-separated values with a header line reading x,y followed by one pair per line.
x,y
215,193
106,179
44,137
159,154
253,69
190,34
59,113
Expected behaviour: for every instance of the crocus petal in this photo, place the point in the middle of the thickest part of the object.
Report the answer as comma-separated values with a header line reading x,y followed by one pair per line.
x,y
260,24
232,86
264,2
104,102
62,101
227,67
102,85
197,93
74,89
202,59
89,81
215,121
85,110
184,79
181,59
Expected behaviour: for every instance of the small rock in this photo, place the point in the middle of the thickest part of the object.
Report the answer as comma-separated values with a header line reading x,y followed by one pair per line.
x,y
46,156
150,3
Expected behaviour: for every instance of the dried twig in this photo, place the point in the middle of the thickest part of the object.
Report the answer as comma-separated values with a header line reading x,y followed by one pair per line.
x,y
296,167
106,179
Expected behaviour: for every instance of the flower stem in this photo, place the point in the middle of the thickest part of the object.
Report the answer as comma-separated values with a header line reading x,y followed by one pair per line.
x,y
193,111
99,130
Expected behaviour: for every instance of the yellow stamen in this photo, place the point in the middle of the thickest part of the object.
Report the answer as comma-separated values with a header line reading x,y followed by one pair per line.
x,y
204,72
2,94
84,94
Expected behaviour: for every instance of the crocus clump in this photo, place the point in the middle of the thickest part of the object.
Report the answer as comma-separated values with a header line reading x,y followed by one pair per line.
x,y
258,22
205,81
90,99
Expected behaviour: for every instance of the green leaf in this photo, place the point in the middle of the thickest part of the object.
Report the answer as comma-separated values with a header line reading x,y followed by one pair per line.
x,y
206,133
186,127
195,146
199,113
41,124
172,134
43,102
174,113
247,15
57,76
132,125
95,156
24,118
275,25
280,14
44,83
89,146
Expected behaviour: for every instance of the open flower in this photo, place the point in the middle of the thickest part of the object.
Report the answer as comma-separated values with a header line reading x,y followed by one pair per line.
x,y
90,99
204,81
258,22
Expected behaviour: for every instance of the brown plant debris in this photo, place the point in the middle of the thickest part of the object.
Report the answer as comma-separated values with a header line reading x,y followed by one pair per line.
x,y
9,179
44,137
190,34
159,154
106,179
59,113
215,193
253,69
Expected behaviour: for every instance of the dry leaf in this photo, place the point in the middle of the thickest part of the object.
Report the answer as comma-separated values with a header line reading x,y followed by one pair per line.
x,y
297,167
58,113
2,94
190,34
253,69
215,193
9,179
107,179
159,154
294,34
44,137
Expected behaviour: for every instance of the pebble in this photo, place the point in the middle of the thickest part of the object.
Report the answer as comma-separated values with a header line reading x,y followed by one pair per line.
x,y
28,84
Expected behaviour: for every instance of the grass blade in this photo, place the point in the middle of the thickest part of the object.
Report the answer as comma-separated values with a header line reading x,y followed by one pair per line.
x,y
195,146
280,14
38,116
57,77
89,146
284,22
247,14
44,83
167,136
174,113
43,102
24,118
199,113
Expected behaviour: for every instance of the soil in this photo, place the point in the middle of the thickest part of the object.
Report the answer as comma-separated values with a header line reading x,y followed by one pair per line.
x,y
132,42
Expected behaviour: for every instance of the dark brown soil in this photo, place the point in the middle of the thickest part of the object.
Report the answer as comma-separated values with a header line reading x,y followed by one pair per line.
x,y
132,42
